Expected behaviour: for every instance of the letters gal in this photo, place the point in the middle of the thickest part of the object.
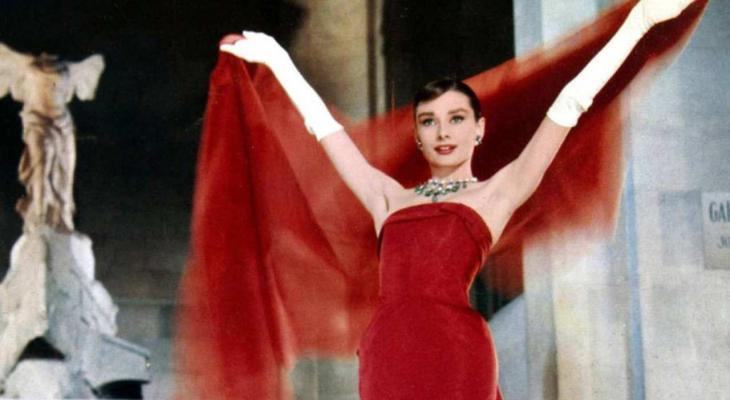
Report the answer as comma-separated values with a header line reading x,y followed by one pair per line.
x,y
716,227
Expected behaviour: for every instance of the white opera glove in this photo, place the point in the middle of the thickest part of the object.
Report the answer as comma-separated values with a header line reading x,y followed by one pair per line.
x,y
261,48
657,11
578,94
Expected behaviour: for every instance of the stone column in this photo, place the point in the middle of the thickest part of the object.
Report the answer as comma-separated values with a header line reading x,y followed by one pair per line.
x,y
331,50
576,293
334,50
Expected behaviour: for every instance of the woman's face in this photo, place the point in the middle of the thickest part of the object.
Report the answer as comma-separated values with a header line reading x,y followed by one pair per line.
x,y
447,130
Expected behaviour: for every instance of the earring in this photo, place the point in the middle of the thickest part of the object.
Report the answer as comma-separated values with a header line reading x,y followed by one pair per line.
x,y
479,140
419,144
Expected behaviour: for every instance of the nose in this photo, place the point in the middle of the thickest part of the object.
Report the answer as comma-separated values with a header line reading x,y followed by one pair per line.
x,y
443,132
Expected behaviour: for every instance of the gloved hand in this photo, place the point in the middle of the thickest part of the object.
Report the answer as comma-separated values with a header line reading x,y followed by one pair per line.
x,y
657,11
578,94
261,48
257,47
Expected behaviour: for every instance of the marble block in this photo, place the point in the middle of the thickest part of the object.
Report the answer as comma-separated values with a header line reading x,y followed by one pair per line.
x,y
50,294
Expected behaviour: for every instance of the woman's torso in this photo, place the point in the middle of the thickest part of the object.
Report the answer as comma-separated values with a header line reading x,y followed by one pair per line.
x,y
425,341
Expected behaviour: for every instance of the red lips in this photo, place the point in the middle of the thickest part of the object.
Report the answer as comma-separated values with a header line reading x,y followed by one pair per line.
x,y
444,149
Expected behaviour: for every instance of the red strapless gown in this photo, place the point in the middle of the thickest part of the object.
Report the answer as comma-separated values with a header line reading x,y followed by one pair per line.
x,y
425,341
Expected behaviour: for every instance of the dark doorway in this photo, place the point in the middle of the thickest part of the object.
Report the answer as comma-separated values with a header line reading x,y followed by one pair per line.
x,y
430,39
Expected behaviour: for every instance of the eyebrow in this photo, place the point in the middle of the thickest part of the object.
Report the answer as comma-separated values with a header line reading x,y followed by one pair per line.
x,y
430,113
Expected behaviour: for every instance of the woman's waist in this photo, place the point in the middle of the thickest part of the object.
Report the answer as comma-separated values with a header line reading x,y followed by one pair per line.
x,y
416,316
424,300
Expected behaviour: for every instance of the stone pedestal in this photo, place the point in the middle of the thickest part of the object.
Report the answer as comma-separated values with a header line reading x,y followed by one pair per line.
x,y
58,325
57,381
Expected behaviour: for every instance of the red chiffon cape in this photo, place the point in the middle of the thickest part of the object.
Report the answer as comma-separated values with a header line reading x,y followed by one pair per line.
x,y
283,261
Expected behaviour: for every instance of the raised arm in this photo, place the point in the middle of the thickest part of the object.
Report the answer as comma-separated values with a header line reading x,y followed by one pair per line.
x,y
367,183
517,181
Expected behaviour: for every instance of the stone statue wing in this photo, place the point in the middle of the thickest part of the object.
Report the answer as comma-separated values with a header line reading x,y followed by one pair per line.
x,y
85,76
12,69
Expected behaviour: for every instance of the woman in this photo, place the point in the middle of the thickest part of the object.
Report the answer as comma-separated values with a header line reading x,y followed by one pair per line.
x,y
424,341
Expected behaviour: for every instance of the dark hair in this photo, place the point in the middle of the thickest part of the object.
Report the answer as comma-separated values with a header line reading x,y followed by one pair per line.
x,y
438,87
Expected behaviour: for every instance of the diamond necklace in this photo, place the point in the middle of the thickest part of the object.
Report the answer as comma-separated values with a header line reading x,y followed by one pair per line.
x,y
436,187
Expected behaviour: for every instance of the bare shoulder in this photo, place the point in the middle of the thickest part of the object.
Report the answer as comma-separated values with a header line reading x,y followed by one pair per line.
x,y
395,198
491,202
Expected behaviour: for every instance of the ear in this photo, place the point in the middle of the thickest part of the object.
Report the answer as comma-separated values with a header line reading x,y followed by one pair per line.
x,y
13,66
481,126
84,76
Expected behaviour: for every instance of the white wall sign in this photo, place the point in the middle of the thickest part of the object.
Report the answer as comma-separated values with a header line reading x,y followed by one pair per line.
x,y
716,227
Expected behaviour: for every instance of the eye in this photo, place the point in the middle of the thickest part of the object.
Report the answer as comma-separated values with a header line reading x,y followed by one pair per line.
x,y
427,122
457,119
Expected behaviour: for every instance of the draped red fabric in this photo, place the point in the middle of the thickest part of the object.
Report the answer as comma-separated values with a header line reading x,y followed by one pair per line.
x,y
283,261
